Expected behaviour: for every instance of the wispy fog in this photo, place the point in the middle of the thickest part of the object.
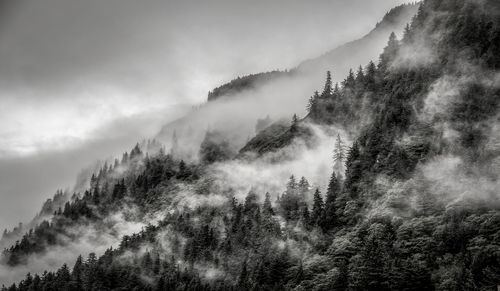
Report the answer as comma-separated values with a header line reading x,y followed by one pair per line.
x,y
84,80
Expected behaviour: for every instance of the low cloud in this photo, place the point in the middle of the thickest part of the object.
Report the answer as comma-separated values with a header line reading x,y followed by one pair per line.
x,y
95,238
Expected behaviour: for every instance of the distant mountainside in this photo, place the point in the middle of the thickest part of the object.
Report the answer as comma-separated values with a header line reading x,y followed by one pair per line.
x,y
235,107
350,55
242,83
338,60
398,189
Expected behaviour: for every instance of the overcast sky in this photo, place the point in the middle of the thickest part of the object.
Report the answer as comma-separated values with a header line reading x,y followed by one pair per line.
x,y
84,79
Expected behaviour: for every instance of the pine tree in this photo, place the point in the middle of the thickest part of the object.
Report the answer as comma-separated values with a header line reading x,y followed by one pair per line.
x,y
291,186
183,172
289,202
406,34
90,272
350,81
331,197
312,106
136,152
353,170
267,208
336,89
77,272
250,201
96,196
327,91
63,277
318,208
124,158
339,155
370,77
306,215
390,52
93,181
295,124
303,186
360,77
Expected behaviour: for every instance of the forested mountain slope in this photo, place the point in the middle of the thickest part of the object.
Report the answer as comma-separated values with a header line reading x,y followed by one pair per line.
x,y
411,204
345,57
339,60
243,83
236,106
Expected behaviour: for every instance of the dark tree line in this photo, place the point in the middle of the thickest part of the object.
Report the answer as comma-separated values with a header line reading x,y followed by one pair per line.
x,y
305,239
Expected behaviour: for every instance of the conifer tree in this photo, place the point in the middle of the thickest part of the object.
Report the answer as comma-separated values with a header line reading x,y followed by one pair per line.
x,y
124,158
339,155
318,208
306,215
350,81
267,208
390,52
370,77
331,197
291,186
312,105
327,90
250,201
303,186
77,272
63,275
336,89
360,77
96,196
353,170
295,124
136,152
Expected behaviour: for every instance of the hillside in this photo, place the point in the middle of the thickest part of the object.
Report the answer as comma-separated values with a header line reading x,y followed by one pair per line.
x,y
243,83
338,60
253,97
411,201
350,55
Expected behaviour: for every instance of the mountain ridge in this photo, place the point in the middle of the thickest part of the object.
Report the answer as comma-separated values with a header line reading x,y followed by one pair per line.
x,y
394,20
415,208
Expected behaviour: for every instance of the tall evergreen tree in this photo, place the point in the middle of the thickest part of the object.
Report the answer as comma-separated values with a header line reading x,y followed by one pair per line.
x,y
390,52
370,77
332,192
318,208
327,90
353,170
295,124
267,208
350,81
360,77
303,186
77,273
339,155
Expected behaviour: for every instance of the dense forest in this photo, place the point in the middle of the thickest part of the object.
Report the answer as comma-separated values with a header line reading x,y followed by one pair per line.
x,y
411,204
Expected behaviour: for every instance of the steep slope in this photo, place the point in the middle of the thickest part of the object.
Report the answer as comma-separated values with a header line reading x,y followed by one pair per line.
x,y
417,207
235,107
338,61
350,55
275,137
243,83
